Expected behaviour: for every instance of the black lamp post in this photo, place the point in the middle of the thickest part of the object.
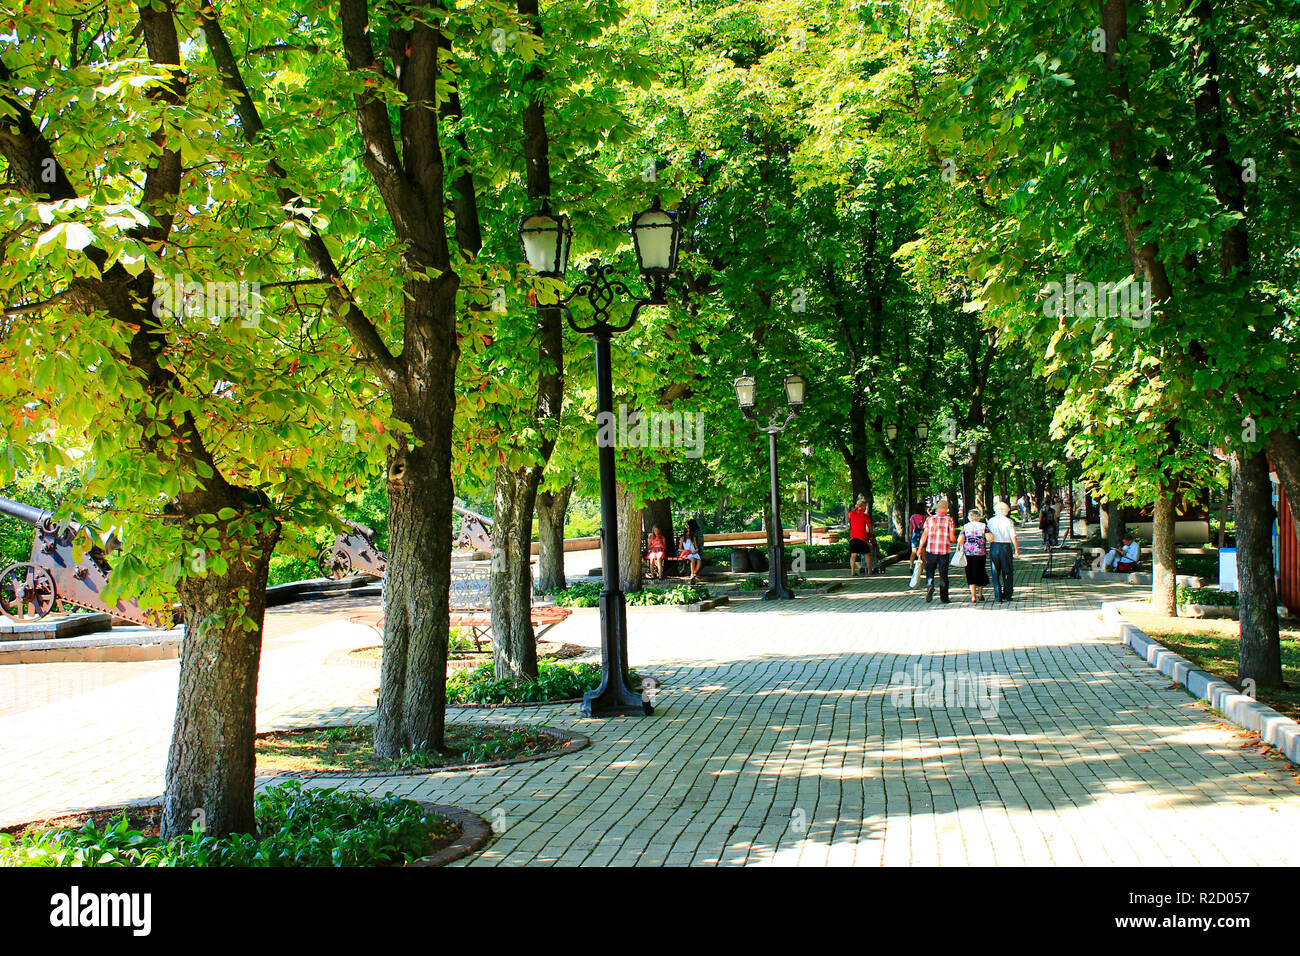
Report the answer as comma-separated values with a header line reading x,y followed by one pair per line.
x,y
808,451
795,388
545,242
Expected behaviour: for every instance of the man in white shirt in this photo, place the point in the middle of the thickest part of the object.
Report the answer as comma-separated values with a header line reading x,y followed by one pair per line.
x,y
1119,559
1003,546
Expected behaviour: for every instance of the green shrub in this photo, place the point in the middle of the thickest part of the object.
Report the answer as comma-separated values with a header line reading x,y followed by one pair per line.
x,y
1209,596
581,594
681,594
561,680
297,826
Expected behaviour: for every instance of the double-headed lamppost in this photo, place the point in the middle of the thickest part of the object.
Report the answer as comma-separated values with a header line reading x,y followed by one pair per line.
x,y
922,433
806,448
795,387
545,239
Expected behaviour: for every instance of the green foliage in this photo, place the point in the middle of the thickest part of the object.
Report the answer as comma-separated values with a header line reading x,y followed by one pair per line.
x,y
558,680
580,594
1209,596
680,594
297,826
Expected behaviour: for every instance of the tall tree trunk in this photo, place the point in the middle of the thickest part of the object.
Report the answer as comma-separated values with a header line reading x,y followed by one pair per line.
x,y
210,763
552,506
1284,453
514,643
413,677
630,552
1112,523
659,511
1260,654
898,514
1163,592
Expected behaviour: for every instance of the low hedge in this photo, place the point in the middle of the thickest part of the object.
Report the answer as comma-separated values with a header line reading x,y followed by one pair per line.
x,y
297,826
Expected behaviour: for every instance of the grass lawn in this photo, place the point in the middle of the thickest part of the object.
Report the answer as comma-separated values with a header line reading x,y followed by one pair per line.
x,y
1211,644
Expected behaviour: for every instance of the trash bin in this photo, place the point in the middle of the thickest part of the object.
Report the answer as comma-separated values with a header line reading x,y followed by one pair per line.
x,y
740,560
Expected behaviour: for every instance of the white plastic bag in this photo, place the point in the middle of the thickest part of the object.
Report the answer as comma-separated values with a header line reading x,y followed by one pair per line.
x,y
916,573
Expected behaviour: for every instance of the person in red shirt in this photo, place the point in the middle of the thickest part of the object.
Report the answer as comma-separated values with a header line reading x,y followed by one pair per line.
x,y
859,530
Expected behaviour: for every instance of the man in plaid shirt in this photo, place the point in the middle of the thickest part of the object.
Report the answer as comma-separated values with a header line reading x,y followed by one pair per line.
x,y
936,544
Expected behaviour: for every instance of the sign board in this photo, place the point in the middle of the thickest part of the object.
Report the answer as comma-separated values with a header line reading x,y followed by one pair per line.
x,y
1227,569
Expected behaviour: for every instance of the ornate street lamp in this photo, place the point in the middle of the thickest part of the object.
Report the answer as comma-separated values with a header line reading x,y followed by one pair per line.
x,y
891,431
923,431
795,392
545,241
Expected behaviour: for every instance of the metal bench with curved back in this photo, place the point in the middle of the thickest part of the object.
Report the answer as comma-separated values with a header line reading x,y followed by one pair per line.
x,y
470,604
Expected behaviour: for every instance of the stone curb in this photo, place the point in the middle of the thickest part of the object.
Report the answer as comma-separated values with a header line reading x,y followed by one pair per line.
x,y
573,742
474,834
1273,728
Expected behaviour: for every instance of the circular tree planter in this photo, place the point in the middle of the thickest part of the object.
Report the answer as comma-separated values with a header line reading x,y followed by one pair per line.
x,y
569,742
472,831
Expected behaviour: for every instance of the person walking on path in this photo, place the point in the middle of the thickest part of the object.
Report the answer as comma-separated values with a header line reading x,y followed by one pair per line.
x,y
859,531
937,539
915,524
1047,523
974,542
1003,545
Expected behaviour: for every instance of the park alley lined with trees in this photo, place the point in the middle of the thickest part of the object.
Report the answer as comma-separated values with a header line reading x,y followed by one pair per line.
x,y
261,263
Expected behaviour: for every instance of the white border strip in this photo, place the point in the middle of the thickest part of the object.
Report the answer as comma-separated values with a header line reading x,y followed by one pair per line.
x,y
1273,728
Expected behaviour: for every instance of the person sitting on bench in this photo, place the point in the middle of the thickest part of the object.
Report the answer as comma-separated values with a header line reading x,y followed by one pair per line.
x,y
655,553
1119,559
690,553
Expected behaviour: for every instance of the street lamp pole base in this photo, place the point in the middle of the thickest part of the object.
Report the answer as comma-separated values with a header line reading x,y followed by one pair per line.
x,y
614,697
778,594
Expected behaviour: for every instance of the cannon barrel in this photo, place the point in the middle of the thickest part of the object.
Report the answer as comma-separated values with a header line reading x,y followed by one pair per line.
x,y
472,514
26,513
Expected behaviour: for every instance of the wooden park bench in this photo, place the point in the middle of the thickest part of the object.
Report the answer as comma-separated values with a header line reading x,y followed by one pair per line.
x,y
470,599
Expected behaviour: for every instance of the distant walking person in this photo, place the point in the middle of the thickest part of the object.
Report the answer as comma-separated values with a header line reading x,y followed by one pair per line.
x,y
1047,523
937,539
974,542
1004,543
1024,509
859,532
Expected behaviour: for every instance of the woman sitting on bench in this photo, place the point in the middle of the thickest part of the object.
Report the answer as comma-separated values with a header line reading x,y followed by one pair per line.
x,y
690,554
1119,559
655,553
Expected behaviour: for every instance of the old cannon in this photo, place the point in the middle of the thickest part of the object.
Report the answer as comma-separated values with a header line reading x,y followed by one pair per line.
x,y
68,567
353,552
475,531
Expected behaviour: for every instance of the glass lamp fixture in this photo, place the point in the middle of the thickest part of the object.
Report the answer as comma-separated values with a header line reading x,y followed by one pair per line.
x,y
545,239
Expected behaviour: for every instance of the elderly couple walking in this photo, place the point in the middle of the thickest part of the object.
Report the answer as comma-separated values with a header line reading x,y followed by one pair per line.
x,y
981,544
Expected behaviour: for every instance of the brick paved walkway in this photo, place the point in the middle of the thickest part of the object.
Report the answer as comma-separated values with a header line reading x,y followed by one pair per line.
x,y
809,733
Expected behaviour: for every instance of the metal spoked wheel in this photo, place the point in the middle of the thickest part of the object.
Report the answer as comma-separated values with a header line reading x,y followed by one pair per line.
x,y
26,592
334,564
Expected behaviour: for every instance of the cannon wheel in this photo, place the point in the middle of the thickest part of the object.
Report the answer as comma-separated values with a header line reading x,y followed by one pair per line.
x,y
334,564
26,592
